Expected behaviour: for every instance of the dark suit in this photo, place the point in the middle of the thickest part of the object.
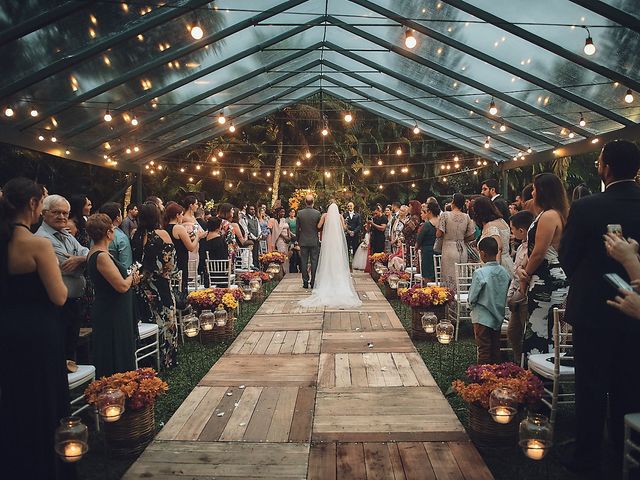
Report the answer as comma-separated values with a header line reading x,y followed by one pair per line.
x,y
307,227
353,225
606,342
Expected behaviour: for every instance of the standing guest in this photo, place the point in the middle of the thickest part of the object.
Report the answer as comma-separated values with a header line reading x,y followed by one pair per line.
x,y
280,235
72,258
33,377
192,226
517,294
487,300
157,201
263,221
547,282
154,249
579,192
488,218
239,230
182,241
307,228
605,341
79,211
411,225
114,343
397,238
200,212
214,243
490,190
130,222
225,214
513,209
388,214
456,230
200,218
254,233
354,228
294,248
120,246
426,239
527,199
378,226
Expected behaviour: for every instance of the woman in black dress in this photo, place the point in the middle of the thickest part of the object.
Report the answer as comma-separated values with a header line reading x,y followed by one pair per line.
x,y
33,377
378,226
184,243
427,238
214,243
113,342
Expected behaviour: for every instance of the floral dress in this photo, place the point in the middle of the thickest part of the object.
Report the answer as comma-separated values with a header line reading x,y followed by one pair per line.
x,y
154,291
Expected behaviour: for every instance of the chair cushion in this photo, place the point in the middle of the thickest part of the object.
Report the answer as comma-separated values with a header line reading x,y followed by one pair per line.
x,y
146,330
543,363
82,375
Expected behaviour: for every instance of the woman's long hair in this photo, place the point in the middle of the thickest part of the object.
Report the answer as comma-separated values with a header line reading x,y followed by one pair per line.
x,y
550,194
77,203
148,221
484,211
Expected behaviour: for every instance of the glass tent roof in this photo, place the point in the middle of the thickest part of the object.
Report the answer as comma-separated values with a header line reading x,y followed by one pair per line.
x,y
73,60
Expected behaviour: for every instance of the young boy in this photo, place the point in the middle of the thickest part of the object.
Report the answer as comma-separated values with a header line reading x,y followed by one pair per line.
x,y
487,299
517,294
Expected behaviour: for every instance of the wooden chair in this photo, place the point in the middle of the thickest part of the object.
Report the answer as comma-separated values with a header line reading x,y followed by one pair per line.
x,y
556,367
464,273
149,335
219,272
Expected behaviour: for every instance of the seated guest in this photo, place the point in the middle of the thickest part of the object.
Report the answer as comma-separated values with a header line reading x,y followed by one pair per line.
x,y
487,299
112,310
120,247
215,244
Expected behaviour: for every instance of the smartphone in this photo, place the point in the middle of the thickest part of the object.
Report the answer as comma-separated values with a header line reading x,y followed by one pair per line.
x,y
615,228
617,282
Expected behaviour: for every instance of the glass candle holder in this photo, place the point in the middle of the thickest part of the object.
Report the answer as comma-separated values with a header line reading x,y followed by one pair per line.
x,y
403,285
191,325
110,404
535,436
503,405
207,320
220,316
393,281
445,331
429,322
274,268
247,292
378,266
255,284
71,439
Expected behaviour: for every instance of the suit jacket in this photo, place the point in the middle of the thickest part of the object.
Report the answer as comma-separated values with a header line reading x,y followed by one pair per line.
x,y
354,224
307,226
585,260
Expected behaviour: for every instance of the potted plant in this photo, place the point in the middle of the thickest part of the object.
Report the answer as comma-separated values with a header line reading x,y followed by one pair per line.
x,y
271,260
135,428
206,302
378,261
248,278
483,380
388,289
425,299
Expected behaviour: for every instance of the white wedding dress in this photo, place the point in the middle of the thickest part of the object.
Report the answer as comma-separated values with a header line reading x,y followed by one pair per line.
x,y
333,284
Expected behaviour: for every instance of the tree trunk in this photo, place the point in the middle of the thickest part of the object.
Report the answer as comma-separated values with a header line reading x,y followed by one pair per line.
x,y
127,196
278,166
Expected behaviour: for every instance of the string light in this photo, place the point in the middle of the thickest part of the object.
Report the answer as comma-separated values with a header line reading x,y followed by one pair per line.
x,y
107,115
34,111
380,162
67,152
54,139
232,127
492,107
413,185
181,169
409,39
9,112
134,121
529,149
41,138
399,151
392,172
571,134
128,151
442,167
629,96
191,179
503,127
298,163
198,167
136,148
268,174
291,174
221,119
221,154
366,172
582,121
307,155
444,179
416,130
242,170
348,117
487,142
380,187
475,172
589,47
327,174
325,131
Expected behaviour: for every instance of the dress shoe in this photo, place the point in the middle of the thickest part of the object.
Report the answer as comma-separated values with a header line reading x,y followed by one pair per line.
x,y
305,285
311,284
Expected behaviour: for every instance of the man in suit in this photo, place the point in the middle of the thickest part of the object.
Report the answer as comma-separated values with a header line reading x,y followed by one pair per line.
x,y
307,226
354,228
605,340
253,231
490,190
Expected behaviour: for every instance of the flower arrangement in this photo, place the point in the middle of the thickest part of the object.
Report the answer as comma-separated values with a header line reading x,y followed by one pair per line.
x,y
246,277
483,379
210,298
379,257
141,387
422,297
385,276
272,257
210,205
297,198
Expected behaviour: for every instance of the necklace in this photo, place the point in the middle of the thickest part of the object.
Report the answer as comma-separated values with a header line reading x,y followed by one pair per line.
x,y
22,225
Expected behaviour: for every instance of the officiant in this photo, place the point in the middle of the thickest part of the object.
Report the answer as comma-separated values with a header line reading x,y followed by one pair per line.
x,y
354,228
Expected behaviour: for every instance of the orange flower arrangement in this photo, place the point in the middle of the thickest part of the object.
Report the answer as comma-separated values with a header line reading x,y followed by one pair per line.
x,y
272,257
141,387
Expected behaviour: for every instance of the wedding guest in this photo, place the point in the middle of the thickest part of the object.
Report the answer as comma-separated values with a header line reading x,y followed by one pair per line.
x,y
547,281
254,233
426,239
157,201
487,300
456,230
490,190
388,214
33,377
120,246
378,225
410,229
605,340
354,228
214,243
182,241
489,219
625,252
114,338
239,231
397,237
190,204
279,235
154,249
130,222
72,258
580,191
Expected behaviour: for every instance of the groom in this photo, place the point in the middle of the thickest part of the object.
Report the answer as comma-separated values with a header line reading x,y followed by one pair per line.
x,y
307,223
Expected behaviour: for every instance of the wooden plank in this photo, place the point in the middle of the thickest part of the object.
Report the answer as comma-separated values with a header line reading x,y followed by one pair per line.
x,y
180,417
262,415
201,415
302,339
372,366
378,462
289,342
283,415
405,371
303,415
237,425
350,461
322,462
355,322
313,346
415,461
216,424
276,343
373,341
299,321
420,370
358,370
442,461
326,370
250,343
343,375
238,343
396,461
344,321
263,343
386,436
389,370
470,462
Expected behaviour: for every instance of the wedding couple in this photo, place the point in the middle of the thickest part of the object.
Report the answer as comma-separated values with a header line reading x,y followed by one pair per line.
x,y
330,276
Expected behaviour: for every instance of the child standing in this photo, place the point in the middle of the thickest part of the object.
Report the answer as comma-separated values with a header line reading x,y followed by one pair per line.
x,y
487,299
517,294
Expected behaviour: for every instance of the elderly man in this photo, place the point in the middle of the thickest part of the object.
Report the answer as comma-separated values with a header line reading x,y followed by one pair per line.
x,y
72,258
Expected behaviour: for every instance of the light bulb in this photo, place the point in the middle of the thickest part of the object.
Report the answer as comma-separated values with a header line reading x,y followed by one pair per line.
x,y
379,162
242,170
456,158
134,122
41,137
529,150
298,163
232,128
196,32
492,108
399,151
191,179
284,172
589,47
136,148
348,117
221,154
34,111
67,152
291,174
325,132
54,139
582,121
503,127
198,167
571,134
366,172
409,40
9,112
327,174
380,187
159,167
392,172
416,130
457,165
484,162
128,151
221,119
181,169
268,174
444,179
448,167
307,155
413,185
487,142
629,96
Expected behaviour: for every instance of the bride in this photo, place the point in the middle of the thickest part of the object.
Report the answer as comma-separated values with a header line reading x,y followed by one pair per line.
x,y
333,284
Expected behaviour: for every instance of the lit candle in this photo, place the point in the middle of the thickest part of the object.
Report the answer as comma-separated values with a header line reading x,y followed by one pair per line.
x,y
191,332
73,452
207,326
444,338
430,328
502,415
112,413
535,449
247,296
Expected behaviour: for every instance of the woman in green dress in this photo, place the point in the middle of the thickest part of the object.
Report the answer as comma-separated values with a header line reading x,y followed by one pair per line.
x,y
112,310
426,238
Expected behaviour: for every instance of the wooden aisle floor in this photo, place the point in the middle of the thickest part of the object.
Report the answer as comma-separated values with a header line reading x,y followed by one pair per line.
x,y
319,394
